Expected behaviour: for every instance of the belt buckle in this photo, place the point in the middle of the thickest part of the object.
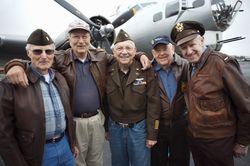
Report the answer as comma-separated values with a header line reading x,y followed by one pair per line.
x,y
53,140
124,125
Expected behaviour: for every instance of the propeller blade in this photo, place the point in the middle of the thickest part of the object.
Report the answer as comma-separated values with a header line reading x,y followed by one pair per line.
x,y
105,44
76,12
124,17
100,33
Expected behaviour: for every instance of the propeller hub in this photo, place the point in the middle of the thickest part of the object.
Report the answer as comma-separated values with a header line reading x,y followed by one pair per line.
x,y
106,30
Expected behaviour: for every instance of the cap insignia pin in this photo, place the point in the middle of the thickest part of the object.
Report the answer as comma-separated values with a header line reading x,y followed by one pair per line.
x,y
179,27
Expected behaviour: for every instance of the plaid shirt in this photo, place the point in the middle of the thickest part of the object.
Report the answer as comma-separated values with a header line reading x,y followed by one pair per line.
x,y
54,111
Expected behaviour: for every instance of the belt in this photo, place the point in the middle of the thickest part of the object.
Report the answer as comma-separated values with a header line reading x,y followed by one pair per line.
x,y
126,125
55,139
86,114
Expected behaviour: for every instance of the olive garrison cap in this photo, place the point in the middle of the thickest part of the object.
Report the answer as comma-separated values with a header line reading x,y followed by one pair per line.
x,y
122,36
39,37
185,31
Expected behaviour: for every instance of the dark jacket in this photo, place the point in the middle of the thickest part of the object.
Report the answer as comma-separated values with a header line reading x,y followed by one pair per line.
x,y
175,111
22,116
65,64
218,99
140,99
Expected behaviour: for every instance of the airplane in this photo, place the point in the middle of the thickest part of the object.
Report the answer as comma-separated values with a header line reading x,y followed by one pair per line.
x,y
142,20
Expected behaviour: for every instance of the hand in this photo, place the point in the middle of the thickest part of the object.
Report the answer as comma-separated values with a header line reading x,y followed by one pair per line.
x,y
150,143
107,136
240,151
17,76
75,152
146,63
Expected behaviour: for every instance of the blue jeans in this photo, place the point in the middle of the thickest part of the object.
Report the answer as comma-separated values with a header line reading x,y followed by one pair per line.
x,y
58,154
128,145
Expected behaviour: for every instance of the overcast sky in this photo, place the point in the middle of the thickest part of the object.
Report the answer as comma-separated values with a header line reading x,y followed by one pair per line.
x,y
240,26
14,22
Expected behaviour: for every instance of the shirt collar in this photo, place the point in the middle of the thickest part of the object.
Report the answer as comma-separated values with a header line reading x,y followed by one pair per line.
x,y
40,76
157,67
76,58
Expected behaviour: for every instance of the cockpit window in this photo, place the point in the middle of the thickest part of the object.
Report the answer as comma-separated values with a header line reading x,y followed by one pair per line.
x,y
157,17
198,3
172,9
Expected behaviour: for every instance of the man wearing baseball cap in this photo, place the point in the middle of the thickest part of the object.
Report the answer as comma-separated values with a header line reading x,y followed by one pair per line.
x,y
84,68
172,143
217,97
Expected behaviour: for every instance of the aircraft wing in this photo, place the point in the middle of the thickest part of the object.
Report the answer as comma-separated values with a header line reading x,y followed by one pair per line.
x,y
12,46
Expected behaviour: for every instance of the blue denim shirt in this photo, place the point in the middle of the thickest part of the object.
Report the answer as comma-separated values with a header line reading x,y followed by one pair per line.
x,y
168,80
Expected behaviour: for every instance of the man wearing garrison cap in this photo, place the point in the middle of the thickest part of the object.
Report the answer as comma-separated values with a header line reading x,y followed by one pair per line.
x,y
36,121
133,106
217,98
84,68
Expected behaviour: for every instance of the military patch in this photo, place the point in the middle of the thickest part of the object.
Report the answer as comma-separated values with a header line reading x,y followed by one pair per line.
x,y
139,81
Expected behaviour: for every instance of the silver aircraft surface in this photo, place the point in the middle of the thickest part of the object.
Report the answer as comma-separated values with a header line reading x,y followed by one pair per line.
x,y
142,19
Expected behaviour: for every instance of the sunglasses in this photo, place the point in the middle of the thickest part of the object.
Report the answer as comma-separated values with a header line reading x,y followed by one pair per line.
x,y
40,51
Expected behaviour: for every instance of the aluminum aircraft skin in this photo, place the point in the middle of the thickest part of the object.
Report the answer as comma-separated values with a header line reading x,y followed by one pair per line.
x,y
142,20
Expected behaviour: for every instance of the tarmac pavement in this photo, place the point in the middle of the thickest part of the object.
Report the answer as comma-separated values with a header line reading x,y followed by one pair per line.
x,y
238,162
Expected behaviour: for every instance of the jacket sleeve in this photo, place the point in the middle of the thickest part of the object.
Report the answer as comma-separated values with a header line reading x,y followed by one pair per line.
x,y
15,62
239,92
153,105
9,149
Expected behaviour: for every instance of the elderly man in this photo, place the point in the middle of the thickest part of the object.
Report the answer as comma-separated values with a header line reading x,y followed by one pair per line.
x,y
36,122
172,143
133,102
84,69
217,97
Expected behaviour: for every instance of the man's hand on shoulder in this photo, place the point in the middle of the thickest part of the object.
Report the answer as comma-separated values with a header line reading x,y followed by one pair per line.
x,y
17,76
146,63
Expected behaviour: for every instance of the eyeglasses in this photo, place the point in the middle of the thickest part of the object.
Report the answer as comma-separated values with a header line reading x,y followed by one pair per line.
x,y
40,51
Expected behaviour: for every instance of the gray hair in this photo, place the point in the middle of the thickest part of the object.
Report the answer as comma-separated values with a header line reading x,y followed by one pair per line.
x,y
29,46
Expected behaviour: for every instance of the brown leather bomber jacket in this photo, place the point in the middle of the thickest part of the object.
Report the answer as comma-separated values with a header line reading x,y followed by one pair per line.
x,y
65,64
218,99
22,118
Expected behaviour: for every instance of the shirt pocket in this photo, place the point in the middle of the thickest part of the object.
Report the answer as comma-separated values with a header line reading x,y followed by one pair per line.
x,y
214,111
138,97
139,89
212,104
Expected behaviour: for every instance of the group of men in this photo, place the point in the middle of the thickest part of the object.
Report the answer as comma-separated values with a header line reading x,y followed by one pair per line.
x,y
153,116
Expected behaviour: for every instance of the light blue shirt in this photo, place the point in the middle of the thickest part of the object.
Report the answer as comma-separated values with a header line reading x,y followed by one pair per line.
x,y
168,80
55,121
